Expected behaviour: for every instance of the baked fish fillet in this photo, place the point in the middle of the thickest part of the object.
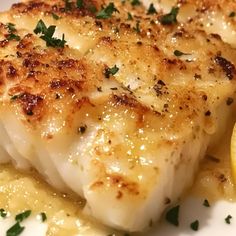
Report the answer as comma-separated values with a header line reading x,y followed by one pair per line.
x,y
122,112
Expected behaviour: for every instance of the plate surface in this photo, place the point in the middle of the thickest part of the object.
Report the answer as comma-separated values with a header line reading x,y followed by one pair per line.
x,y
211,219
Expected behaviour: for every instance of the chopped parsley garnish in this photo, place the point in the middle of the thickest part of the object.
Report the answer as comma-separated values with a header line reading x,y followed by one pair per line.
x,y
22,216
47,35
3,213
15,230
111,71
68,5
11,27
13,37
92,9
232,14
55,16
43,216
172,216
130,17
14,97
228,219
194,225
137,27
135,2
107,12
179,53
206,203
82,129
170,18
80,4
151,10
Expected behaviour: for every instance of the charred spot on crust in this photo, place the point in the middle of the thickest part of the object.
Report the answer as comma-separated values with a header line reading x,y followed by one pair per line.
x,y
11,72
30,63
208,113
158,87
29,102
84,100
26,42
125,100
124,184
70,63
227,66
4,43
69,85
229,101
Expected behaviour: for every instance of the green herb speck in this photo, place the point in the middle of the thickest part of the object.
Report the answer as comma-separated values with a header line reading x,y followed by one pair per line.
x,y
135,3
55,16
172,216
3,213
111,71
206,203
228,219
151,10
43,216
80,4
130,17
107,12
47,35
15,230
194,225
178,53
170,18
22,216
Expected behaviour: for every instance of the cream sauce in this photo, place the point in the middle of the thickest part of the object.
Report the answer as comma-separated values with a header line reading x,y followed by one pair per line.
x,y
20,192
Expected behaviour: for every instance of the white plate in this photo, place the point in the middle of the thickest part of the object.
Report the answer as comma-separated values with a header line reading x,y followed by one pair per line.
x,y
211,220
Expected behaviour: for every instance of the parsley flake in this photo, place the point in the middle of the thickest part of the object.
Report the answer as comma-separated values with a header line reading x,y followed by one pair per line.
x,y
80,4
107,12
137,27
151,10
15,230
179,53
130,17
206,203
43,216
55,16
22,216
68,5
13,37
92,9
228,219
47,35
135,3
11,27
194,225
111,71
172,216
170,18
3,213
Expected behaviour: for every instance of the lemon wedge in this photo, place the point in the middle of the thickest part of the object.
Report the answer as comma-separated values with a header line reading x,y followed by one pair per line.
x,y
233,153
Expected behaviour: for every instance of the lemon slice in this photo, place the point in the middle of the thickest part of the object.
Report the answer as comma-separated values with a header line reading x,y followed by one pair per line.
x,y
233,153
